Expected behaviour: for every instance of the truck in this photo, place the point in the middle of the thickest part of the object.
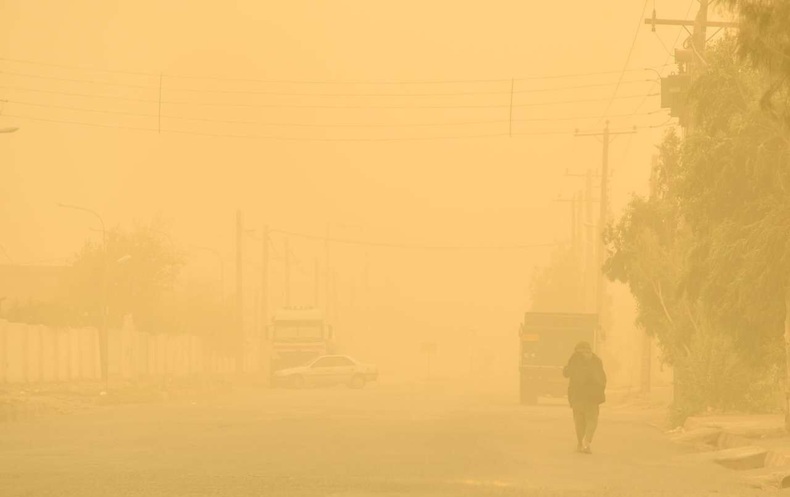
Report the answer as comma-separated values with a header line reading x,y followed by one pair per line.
x,y
546,341
297,336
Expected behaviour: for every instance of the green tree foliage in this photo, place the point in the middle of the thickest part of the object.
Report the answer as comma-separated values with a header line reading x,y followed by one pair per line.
x,y
138,275
735,197
135,274
646,250
558,287
764,39
706,256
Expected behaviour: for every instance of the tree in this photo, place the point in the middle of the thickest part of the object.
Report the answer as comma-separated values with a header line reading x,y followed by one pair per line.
x,y
735,197
648,249
763,39
134,274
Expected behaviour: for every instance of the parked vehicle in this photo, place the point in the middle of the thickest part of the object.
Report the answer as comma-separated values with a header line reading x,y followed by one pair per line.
x,y
328,370
297,336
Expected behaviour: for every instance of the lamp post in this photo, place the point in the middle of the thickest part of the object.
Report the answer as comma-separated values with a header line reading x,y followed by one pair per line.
x,y
103,338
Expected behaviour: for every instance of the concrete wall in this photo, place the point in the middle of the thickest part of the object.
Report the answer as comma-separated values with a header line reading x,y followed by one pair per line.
x,y
30,354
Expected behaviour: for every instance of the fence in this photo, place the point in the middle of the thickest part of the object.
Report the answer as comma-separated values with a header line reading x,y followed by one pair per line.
x,y
34,353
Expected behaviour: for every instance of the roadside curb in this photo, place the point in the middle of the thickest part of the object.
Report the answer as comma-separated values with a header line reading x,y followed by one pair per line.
x,y
756,446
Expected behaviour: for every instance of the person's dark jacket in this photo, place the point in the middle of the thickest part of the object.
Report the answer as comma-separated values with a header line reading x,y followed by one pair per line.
x,y
587,380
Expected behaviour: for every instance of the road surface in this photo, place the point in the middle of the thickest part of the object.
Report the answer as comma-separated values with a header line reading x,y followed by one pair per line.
x,y
380,441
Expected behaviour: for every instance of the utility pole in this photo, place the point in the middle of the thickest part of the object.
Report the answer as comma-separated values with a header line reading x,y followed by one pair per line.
x,y
317,283
584,236
574,223
576,243
589,245
572,201
602,223
287,272
264,356
692,60
239,293
600,287
579,228
328,279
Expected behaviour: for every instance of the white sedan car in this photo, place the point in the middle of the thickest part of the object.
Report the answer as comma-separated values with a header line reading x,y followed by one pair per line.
x,y
328,370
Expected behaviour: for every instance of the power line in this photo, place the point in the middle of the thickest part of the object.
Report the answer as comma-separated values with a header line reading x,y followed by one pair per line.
x,y
306,139
313,82
313,94
72,80
81,109
434,94
76,94
628,58
313,139
318,125
312,106
397,245
669,53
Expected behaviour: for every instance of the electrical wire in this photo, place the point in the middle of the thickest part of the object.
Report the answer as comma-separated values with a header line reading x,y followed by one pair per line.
x,y
304,139
628,58
292,94
310,106
398,245
311,82
316,125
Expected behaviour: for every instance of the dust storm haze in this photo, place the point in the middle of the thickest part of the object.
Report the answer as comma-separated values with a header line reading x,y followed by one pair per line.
x,y
198,199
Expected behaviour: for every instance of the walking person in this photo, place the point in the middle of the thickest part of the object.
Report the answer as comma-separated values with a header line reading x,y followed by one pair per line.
x,y
586,392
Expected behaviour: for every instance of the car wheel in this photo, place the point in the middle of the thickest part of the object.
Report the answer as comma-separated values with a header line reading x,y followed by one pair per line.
x,y
357,382
296,381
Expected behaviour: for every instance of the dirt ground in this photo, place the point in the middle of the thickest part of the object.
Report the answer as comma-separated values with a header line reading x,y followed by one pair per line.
x,y
410,440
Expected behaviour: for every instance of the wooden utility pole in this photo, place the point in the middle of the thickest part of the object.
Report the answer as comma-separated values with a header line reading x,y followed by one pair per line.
x,y
239,292
317,283
263,351
579,227
694,58
287,256
584,239
327,279
603,220
589,242
600,287
574,241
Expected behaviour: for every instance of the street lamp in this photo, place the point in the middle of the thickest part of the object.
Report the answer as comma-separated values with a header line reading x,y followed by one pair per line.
x,y
103,338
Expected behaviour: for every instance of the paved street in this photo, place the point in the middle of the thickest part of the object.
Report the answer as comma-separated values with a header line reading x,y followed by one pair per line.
x,y
384,440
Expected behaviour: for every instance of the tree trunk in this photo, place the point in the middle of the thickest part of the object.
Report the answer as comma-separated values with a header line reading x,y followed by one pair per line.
x,y
787,359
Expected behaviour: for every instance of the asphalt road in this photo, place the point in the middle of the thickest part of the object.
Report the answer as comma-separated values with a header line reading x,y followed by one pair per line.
x,y
381,441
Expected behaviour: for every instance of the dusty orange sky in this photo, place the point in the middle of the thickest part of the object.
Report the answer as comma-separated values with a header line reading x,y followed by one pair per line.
x,y
464,190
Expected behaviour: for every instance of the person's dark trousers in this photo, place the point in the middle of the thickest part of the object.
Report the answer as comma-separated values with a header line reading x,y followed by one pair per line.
x,y
585,417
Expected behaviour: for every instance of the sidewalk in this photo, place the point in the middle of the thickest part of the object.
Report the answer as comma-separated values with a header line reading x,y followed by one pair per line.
x,y
755,445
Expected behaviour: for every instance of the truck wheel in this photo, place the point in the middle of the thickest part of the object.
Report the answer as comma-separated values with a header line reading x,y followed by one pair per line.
x,y
357,382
